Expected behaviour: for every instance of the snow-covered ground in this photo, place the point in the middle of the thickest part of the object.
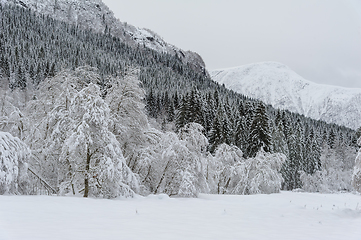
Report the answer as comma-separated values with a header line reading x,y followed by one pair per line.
x,y
287,215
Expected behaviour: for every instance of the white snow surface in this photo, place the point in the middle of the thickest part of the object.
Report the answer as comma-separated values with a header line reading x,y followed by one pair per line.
x,y
287,215
276,84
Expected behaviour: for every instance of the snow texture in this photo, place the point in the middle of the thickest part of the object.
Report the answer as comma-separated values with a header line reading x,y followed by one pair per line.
x,y
288,215
276,84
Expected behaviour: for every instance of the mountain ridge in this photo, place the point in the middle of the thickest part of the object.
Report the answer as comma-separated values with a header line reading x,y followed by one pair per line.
x,y
96,15
278,85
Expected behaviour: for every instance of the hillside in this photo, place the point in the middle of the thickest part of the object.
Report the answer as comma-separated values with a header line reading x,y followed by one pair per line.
x,y
276,84
94,14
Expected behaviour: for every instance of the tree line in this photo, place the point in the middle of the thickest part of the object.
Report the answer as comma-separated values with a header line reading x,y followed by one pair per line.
x,y
175,94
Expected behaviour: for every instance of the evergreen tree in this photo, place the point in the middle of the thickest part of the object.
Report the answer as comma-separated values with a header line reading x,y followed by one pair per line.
x,y
290,169
259,132
216,135
279,142
312,153
151,104
21,82
170,112
241,133
331,138
195,107
183,112
226,130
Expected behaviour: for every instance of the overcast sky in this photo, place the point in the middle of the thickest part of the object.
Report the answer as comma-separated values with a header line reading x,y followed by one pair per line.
x,y
318,39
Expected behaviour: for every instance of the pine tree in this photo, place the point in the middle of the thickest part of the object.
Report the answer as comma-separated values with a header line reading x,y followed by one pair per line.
x,y
227,131
312,153
195,107
241,133
331,138
260,132
278,139
170,112
290,169
216,135
21,82
183,112
210,112
151,104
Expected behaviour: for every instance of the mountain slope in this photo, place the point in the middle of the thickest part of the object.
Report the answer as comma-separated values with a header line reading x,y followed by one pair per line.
x,y
278,85
94,14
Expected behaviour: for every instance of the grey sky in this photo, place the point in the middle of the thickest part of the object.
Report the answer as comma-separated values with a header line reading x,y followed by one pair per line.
x,y
319,39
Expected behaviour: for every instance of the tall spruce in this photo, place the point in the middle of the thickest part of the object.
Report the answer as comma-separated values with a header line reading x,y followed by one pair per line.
x,y
260,132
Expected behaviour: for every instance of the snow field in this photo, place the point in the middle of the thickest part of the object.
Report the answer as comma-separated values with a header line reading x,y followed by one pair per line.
x,y
287,215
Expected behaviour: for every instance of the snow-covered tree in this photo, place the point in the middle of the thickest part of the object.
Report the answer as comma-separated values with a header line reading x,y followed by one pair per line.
x,y
335,173
197,143
91,153
177,164
14,156
232,174
130,124
221,169
260,174
49,114
172,168
356,177
12,118
192,134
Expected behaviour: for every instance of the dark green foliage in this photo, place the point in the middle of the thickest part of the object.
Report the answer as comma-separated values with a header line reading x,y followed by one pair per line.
x,y
259,132
241,133
216,134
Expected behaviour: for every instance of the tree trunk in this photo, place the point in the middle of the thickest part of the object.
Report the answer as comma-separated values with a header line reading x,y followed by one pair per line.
x,y
162,178
86,179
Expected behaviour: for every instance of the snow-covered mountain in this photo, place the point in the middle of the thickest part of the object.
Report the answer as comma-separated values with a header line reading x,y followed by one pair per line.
x,y
96,15
276,84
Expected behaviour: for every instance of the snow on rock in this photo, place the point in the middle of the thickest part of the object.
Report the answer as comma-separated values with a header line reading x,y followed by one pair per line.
x,y
276,84
94,14
288,215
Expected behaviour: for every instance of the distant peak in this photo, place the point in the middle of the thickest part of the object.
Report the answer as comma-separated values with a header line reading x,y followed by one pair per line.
x,y
267,64
276,84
